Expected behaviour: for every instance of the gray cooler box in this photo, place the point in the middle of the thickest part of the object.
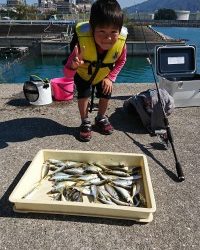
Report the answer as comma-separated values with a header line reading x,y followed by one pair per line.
x,y
176,72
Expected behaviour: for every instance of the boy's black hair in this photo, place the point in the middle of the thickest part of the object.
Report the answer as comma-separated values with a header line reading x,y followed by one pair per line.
x,y
106,13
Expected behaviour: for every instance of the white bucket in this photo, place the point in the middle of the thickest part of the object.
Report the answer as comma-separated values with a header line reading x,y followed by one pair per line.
x,y
45,96
37,92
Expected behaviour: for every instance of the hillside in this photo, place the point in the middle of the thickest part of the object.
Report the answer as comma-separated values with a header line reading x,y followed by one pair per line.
x,y
153,5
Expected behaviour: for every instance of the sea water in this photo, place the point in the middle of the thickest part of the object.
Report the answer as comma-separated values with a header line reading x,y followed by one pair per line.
x,y
136,69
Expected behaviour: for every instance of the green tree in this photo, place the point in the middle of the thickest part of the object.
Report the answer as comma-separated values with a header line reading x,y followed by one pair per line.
x,y
165,14
7,12
32,13
24,12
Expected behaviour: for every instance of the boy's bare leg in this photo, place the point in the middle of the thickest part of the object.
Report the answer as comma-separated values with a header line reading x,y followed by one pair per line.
x,y
83,107
103,105
86,127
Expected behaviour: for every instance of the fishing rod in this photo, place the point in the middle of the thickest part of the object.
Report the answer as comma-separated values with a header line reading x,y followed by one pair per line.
x,y
166,121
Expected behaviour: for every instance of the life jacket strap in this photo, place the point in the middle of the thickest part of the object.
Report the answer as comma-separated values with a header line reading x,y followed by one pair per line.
x,y
98,64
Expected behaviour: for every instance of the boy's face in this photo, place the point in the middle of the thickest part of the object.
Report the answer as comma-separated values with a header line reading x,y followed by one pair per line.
x,y
105,37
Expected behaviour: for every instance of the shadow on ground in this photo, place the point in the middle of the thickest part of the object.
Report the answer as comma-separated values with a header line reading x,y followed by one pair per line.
x,y
25,129
20,102
131,124
126,122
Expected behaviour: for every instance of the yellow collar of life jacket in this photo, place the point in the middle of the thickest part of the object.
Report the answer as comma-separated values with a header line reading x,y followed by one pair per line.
x,y
92,68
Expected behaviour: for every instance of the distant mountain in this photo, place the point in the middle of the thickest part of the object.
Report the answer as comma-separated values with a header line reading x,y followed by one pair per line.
x,y
153,5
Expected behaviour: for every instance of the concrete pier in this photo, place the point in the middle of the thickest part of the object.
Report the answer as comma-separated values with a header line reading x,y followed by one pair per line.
x,y
51,39
25,129
134,48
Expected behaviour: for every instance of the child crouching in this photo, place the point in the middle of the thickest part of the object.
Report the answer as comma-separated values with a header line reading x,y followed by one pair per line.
x,y
99,53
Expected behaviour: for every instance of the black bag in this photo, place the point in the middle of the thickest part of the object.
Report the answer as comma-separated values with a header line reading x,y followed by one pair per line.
x,y
147,106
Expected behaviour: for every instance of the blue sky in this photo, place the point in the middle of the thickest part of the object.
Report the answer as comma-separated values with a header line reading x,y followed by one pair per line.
x,y
123,3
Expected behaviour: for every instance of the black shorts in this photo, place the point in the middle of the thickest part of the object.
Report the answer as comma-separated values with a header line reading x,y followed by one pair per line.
x,y
84,89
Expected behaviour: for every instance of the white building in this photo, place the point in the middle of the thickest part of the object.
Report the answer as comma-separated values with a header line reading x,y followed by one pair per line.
x,y
46,3
195,16
66,6
182,14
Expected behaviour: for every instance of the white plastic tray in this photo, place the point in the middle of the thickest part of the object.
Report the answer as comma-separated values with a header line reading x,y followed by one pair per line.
x,y
40,202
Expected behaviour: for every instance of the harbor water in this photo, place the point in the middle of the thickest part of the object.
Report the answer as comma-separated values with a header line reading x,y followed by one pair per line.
x,y
136,69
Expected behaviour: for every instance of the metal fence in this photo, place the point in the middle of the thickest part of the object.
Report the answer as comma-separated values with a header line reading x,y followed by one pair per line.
x,y
37,21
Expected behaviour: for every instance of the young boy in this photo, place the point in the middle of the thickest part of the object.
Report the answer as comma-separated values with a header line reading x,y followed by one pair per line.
x,y
96,60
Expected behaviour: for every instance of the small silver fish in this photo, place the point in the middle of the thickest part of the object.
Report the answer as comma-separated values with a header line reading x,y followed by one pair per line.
x,y
54,161
52,167
134,189
94,191
111,191
122,183
76,196
121,203
58,188
71,194
84,190
96,181
92,169
87,177
104,201
60,169
44,170
132,177
118,168
60,176
118,173
124,193
74,171
104,168
106,177
102,193
73,164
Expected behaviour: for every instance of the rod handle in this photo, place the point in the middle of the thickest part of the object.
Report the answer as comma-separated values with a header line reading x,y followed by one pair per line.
x,y
179,170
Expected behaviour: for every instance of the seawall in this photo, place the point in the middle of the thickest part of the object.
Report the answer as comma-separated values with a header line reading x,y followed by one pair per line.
x,y
52,39
61,47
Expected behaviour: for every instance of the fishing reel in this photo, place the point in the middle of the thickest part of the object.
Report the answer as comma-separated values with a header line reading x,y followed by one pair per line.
x,y
162,137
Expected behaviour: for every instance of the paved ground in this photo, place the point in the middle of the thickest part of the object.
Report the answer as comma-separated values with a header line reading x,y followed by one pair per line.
x,y
25,129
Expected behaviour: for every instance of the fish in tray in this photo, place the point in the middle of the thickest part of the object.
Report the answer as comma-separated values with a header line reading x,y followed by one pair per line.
x,y
117,185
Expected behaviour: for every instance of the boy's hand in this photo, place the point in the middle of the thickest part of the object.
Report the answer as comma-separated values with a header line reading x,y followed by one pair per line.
x,y
107,86
78,59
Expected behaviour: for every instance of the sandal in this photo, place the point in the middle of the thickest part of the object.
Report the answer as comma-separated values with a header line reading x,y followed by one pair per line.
x,y
104,126
85,131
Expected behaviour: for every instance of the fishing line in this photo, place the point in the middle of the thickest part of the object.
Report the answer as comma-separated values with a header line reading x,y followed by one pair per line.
x,y
166,122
